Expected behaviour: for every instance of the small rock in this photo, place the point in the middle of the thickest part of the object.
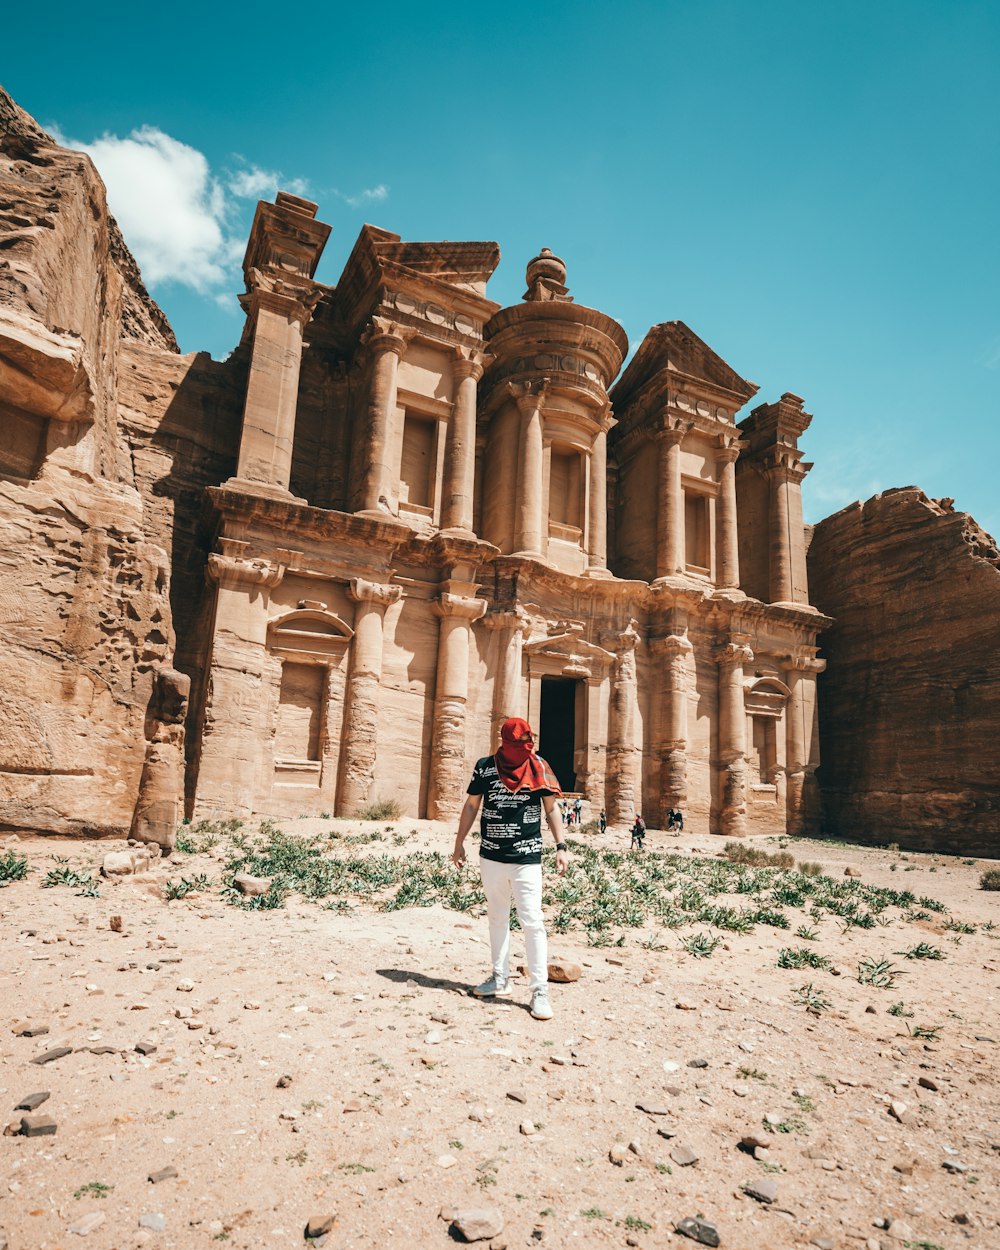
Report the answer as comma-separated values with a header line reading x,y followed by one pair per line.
x,y
562,971
145,1048
615,963
683,1156
37,1126
741,1090
153,1221
697,1063
446,1161
34,1030
283,1082
320,1225
528,1128
871,1011
84,1227
765,1191
125,863
164,1174
953,1165
751,1141
653,1108
477,1223
251,1006
852,872
635,1146
185,985
960,1218
699,1230
901,1111
251,886
928,1082
618,1154
899,1230
684,1004
516,1095
115,924
433,1038
31,1102
49,1056
824,1243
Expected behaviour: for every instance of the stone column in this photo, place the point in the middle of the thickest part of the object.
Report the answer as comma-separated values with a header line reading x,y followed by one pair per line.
x,y
386,343
460,447
779,557
160,802
528,520
673,652
508,683
448,767
360,741
624,774
801,756
727,538
670,504
731,758
235,722
597,528
278,318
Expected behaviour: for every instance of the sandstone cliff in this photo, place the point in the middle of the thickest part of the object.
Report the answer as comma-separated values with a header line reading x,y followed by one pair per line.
x,y
84,609
910,701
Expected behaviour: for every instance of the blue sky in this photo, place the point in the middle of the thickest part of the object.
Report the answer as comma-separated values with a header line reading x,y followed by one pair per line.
x,y
813,188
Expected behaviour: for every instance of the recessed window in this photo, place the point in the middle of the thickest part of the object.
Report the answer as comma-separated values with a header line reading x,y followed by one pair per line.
x,y
565,488
418,461
697,546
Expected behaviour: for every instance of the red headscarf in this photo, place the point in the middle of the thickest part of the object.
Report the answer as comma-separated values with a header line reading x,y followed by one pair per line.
x,y
518,765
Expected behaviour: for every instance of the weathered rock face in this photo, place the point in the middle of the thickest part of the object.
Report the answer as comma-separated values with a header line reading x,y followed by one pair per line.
x,y
910,701
84,608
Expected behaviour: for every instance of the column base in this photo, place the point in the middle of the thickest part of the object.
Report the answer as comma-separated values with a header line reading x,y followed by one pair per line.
x,y
601,574
459,531
377,514
268,490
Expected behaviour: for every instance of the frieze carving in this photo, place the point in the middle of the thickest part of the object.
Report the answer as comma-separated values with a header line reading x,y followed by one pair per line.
x,y
671,645
553,362
734,653
435,314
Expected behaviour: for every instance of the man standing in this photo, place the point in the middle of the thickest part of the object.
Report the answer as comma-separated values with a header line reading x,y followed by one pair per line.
x,y
518,786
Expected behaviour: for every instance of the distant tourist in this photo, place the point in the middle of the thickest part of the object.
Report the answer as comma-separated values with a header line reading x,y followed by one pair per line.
x,y
577,811
638,833
518,785
602,821
675,822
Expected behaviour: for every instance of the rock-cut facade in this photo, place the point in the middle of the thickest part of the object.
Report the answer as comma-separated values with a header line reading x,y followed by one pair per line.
x,y
322,572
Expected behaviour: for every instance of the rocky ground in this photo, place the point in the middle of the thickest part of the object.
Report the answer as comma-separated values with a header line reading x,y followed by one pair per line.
x,y
229,1076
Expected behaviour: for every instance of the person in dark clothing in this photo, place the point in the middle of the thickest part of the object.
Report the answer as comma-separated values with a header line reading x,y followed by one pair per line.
x,y
602,821
677,817
638,833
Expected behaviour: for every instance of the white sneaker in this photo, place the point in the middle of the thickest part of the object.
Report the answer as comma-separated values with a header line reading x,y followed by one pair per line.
x,y
495,987
541,1008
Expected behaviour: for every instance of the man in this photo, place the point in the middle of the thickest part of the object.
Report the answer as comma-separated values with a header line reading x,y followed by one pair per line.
x,y
518,785
638,832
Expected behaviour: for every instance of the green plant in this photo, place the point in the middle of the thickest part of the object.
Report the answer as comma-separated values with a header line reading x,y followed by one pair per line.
x,y
923,950
93,1189
665,1169
801,957
790,1125
64,876
355,1169
456,1144
298,1157
899,1009
595,1213
808,997
960,926
877,972
922,1245
930,1033
635,1225
753,1074
700,945
809,868
13,867
806,933
382,809
990,880
804,1103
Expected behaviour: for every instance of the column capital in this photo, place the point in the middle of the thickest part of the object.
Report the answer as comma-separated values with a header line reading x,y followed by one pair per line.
x,y
735,652
784,464
529,396
469,363
671,429
383,335
231,571
796,663
373,592
458,606
623,640
294,300
727,449
670,645
515,619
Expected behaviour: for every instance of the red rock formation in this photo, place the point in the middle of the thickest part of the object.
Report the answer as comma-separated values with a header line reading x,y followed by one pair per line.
x,y
910,700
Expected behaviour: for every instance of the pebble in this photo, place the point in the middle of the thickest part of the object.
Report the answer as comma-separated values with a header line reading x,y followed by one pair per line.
x,y
153,1221
185,985
516,1095
618,1154
697,1063
684,1004
928,1082
741,1090
251,886
699,1230
901,1111
84,1227
765,1191
446,1161
320,1225
528,1128
283,1082
953,1165
49,1056
145,1048
37,1126
477,1223
164,1174
653,1108
34,1030
433,1038
683,1156
562,971
823,1243
31,1102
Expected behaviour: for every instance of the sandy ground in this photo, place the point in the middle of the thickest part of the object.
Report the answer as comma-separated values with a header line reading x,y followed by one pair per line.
x,y
407,1098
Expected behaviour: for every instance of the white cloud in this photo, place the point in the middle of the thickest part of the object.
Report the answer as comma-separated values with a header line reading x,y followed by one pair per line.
x,y
371,195
183,222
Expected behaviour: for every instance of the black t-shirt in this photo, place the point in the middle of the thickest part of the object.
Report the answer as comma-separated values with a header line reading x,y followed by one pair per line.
x,y
510,827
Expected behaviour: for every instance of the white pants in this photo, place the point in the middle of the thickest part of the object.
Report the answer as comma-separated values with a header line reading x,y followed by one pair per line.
x,y
524,882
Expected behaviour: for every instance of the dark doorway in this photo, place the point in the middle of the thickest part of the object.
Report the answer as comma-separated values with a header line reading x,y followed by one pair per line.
x,y
557,728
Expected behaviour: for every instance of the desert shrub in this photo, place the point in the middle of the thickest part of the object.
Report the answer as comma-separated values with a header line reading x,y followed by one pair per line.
x,y
382,809
990,880
744,853
809,868
12,867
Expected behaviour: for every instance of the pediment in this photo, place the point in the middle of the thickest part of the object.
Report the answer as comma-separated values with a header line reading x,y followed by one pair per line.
x,y
672,348
310,633
568,655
